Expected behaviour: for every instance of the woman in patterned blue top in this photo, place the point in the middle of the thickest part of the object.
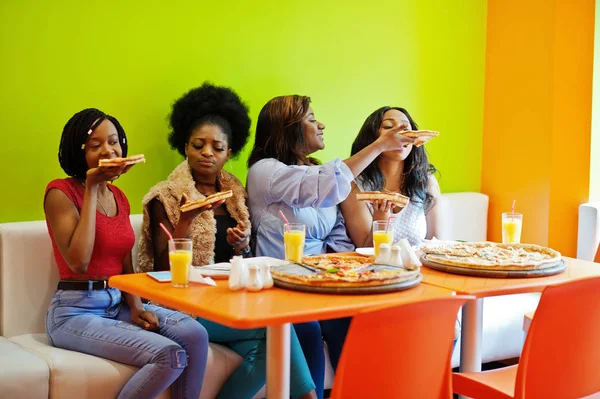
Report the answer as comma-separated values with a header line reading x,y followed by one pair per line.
x,y
284,177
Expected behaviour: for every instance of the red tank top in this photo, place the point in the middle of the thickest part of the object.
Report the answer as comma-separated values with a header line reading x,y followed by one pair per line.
x,y
114,235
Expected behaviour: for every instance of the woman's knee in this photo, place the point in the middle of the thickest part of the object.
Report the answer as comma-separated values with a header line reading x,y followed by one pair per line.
x,y
185,327
192,332
190,335
172,356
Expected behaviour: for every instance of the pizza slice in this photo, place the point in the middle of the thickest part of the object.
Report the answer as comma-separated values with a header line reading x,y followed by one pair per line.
x,y
211,199
420,136
399,200
131,160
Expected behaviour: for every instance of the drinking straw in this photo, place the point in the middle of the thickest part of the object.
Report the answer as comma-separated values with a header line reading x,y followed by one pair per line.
x,y
162,226
284,218
513,209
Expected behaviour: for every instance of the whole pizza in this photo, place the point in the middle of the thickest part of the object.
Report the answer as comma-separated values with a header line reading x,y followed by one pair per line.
x,y
492,256
341,271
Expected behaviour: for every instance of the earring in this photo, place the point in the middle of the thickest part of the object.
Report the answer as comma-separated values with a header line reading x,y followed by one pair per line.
x,y
230,167
222,176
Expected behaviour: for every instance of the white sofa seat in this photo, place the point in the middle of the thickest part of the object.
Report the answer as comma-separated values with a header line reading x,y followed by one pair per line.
x,y
28,279
78,375
23,375
588,230
75,374
464,217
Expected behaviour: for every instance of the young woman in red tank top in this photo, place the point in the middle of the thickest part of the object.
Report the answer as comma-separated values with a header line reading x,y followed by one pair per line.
x,y
92,237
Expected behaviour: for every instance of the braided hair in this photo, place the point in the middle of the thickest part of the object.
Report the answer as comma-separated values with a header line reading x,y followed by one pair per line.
x,y
71,151
213,105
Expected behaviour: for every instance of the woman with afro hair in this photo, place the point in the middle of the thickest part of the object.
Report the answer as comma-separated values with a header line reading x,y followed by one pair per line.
x,y
209,125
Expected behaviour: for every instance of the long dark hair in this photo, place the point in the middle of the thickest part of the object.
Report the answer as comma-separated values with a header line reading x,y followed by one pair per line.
x,y
279,132
416,166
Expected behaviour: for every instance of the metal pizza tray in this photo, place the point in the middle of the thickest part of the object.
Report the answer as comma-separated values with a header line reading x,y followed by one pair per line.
x,y
294,268
556,268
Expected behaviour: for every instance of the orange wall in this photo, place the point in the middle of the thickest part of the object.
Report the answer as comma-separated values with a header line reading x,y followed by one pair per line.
x,y
537,116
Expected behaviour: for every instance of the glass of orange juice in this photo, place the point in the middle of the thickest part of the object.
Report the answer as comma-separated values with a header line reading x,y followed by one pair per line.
x,y
293,240
512,224
180,260
383,233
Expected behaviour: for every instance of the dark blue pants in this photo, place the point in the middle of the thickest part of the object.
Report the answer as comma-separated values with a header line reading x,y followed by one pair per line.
x,y
311,336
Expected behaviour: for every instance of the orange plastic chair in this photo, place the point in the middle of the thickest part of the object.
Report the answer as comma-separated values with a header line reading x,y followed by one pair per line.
x,y
561,355
400,352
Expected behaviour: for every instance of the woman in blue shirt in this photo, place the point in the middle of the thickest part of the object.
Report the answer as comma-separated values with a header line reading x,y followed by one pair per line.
x,y
283,177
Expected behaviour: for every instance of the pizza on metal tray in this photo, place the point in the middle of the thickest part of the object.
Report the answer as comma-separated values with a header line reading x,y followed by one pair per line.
x,y
346,271
492,256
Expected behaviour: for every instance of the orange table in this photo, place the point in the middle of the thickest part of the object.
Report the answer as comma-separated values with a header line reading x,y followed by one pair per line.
x,y
470,355
275,309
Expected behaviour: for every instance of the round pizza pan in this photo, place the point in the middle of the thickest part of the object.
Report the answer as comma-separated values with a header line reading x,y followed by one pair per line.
x,y
404,285
557,268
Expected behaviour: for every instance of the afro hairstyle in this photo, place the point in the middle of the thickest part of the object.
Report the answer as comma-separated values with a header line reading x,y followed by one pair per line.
x,y
214,105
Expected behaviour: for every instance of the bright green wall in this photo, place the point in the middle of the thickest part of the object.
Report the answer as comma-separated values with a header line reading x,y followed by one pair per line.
x,y
133,59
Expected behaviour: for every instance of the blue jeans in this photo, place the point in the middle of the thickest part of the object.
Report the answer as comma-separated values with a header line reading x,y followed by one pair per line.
x,y
250,376
98,322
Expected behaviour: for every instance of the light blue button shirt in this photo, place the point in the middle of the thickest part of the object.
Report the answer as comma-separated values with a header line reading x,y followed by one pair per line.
x,y
305,194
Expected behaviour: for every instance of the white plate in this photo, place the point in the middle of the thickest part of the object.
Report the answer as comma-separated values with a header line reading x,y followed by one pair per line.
x,y
366,251
214,273
221,270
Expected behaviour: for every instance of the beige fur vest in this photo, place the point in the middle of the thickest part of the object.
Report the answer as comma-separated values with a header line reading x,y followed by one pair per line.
x,y
169,193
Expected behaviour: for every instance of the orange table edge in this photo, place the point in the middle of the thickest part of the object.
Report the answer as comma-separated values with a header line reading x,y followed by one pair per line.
x,y
482,287
244,309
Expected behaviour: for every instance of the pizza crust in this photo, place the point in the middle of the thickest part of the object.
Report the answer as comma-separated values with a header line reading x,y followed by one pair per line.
x,y
371,196
211,199
421,136
131,160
